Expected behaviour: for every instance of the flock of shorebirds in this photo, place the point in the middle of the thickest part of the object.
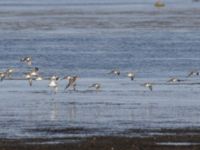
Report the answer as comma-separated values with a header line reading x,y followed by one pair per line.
x,y
33,74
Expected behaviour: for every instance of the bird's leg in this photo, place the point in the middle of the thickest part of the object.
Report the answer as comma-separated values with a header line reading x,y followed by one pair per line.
x,y
55,90
74,87
30,82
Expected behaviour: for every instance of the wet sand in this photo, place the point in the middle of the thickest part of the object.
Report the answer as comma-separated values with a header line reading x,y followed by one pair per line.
x,y
164,139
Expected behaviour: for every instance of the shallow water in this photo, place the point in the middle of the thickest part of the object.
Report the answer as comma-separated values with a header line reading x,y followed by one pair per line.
x,y
120,105
90,39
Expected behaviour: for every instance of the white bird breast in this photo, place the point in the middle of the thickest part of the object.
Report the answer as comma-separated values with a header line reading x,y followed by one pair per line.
x,y
52,84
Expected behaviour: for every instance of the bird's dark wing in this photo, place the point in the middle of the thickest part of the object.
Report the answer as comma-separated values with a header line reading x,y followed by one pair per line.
x,y
190,74
151,88
93,85
69,83
170,80
111,72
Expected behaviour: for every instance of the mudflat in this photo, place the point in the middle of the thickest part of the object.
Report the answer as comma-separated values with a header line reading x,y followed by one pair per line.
x,y
162,139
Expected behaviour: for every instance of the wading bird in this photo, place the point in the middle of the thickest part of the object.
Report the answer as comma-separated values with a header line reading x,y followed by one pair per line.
x,y
97,86
174,80
53,83
34,72
9,72
71,82
38,78
148,85
115,72
2,75
27,60
131,75
193,73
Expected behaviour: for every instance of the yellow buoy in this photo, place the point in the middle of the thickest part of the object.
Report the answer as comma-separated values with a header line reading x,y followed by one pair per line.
x,y
159,4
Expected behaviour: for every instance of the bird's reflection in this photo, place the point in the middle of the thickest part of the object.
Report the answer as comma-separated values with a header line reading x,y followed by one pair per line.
x,y
54,111
71,111
150,109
